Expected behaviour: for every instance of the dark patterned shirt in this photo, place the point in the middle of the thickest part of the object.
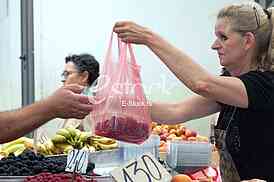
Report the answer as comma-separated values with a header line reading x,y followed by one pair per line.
x,y
251,131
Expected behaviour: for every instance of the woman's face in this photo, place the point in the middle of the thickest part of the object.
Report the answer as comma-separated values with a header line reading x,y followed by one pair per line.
x,y
229,46
72,75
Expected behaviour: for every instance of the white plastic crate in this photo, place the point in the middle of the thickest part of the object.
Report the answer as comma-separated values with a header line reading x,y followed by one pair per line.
x,y
187,154
133,151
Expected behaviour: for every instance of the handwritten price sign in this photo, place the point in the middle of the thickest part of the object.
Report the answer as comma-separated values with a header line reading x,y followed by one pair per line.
x,y
77,161
145,169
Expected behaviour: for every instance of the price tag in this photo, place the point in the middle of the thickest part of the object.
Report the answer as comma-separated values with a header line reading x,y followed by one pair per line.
x,y
146,169
77,161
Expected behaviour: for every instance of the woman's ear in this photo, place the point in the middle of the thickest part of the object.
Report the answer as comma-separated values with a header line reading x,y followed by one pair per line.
x,y
84,78
249,40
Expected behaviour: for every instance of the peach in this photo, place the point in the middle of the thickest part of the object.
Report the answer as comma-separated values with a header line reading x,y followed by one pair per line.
x,y
154,124
188,133
181,178
180,132
157,130
163,148
164,130
183,137
192,138
172,131
165,127
171,136
162,143
177,138
170,127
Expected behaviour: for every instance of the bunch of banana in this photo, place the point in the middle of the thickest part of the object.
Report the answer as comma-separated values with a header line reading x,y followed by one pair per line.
x,y
48,148
16,146
69,138
102,143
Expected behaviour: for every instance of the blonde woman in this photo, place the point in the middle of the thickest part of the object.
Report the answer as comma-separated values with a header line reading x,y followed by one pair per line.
x,y
245,100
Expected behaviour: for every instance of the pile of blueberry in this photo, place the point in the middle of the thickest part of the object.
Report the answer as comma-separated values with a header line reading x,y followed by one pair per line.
x,y
29,164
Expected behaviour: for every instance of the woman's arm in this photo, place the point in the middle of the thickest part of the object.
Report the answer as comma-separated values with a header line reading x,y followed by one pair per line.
x,y
191,108
227,90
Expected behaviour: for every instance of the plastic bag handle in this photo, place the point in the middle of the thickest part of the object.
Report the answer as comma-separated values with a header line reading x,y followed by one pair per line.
x,y
109,50
136,73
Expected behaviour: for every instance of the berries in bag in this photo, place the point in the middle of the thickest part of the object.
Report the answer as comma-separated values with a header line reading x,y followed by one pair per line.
x,y
120,106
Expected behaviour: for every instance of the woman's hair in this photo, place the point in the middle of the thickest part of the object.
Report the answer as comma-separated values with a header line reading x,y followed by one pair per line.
x,y
251,17
85,62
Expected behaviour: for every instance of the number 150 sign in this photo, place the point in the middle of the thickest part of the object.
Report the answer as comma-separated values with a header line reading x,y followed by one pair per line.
x,y
145,169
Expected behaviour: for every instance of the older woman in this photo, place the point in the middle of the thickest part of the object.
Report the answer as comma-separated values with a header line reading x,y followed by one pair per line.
x,y
80,69
245,99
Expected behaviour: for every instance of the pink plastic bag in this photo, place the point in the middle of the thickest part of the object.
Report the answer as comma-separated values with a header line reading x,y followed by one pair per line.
x,y
121,108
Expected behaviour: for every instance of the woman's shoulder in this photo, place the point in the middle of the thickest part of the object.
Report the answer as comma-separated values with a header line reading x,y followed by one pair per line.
x,y
265,75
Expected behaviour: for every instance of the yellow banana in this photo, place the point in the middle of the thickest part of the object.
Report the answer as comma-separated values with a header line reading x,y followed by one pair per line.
x,y
41,148
108,147
72,131
96,146
58,139
91,148
64,133
84,136
19,150
77,136
12,148
62,145
104,140
67,149
14,142
50,148
28,142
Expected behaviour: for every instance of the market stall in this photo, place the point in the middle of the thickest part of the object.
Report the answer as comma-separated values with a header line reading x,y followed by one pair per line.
x,y
176,148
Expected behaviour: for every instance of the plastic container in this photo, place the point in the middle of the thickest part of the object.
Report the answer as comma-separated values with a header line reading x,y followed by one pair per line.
x,y
184,156
132,151
106,158
125,152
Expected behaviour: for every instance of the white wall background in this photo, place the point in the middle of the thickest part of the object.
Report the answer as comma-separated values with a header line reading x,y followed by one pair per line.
x,y
10,64
65,27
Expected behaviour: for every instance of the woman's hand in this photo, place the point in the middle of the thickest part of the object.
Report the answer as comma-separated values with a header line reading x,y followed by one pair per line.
x,y
132,33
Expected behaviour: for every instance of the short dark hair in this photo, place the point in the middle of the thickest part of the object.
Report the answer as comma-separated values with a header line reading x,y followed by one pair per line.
x,y
85,62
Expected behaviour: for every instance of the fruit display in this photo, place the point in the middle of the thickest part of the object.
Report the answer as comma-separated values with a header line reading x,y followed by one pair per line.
x,y
16,147
67,139
28,163
175,132
124,128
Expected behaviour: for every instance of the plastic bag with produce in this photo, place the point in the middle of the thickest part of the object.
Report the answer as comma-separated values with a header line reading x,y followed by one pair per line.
x,y
121,108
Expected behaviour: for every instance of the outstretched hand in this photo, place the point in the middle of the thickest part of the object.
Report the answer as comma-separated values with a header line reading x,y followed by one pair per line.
x,y
67,102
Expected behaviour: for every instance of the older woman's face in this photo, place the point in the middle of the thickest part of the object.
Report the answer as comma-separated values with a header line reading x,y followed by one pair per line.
x,y
71,75
229,45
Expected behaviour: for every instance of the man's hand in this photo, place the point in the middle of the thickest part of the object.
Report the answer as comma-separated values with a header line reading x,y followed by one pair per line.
x,y
67,102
